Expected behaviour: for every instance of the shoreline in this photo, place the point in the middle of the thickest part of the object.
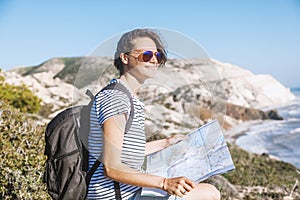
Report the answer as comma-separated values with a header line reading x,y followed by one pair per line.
x,y
233,134
238,130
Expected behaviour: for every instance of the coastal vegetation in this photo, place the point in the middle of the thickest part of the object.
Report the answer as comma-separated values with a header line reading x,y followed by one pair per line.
x,y
20,97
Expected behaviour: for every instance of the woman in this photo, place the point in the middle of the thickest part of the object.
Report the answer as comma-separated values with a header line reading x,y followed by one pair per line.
x,y
139,54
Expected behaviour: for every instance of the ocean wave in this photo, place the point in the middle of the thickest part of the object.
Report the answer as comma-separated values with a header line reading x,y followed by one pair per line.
x,y
252,143
292,119
295,131
294,112
277,138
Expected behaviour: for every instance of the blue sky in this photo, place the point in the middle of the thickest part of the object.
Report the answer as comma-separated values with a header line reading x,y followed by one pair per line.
x,y
261,36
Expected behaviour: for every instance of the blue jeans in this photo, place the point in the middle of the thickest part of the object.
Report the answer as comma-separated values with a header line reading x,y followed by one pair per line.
x,y
138,196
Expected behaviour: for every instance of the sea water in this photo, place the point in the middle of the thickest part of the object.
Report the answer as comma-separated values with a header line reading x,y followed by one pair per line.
x,y
277,138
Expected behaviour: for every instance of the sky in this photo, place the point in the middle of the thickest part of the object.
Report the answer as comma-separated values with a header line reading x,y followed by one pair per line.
x,y
260,36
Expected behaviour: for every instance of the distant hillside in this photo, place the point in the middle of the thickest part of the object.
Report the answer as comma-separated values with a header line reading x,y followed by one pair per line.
x,y
68,69
229,82
184,95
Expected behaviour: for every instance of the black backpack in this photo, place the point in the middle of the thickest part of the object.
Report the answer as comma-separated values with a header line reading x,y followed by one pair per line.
x,y
66,136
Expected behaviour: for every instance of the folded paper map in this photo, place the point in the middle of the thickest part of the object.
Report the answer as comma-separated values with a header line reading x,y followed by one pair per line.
x,y
203,154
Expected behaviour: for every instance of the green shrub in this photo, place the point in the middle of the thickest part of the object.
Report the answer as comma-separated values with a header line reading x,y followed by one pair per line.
x,y
22,156
260,170
20,97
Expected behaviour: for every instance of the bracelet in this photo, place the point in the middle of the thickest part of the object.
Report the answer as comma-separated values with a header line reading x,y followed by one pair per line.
x,y
163,184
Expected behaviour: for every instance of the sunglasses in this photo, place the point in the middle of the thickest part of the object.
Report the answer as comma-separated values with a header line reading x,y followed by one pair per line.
x,y
146,56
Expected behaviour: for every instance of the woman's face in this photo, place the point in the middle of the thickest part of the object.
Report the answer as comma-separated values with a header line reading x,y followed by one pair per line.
x,y
136,64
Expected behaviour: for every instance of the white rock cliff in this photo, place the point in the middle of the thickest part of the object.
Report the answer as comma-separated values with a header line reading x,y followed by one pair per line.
x,y
194,79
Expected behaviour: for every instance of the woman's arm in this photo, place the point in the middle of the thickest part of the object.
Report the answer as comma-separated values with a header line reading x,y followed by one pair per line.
x,y
113,132
155,146
158,145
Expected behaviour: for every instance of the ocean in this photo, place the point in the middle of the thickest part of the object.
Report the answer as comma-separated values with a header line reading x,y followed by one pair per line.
x,y
277,138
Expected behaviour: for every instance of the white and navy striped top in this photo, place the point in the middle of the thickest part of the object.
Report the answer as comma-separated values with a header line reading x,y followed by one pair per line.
x,y
109,103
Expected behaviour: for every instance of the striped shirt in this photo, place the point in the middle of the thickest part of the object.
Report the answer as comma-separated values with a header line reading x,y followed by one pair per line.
x,y
109,103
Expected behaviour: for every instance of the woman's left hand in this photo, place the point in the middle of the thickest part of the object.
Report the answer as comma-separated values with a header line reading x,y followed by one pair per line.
x,y
175,138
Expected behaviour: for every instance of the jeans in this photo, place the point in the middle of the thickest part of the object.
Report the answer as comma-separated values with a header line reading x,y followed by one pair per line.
x,y
138,196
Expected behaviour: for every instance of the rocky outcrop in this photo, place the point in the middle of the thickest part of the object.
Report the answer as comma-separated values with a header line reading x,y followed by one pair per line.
x,y
241,87
246,114
55,93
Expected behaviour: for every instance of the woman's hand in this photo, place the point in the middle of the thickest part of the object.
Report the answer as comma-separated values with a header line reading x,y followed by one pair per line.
x,y
178,186
175,138
158,145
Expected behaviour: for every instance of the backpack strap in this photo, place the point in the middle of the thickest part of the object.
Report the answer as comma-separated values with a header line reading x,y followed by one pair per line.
x,y
122,88
117,190
90,94
83,126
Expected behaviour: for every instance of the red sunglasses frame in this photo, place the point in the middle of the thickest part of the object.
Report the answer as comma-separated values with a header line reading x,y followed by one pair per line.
x,y
146,56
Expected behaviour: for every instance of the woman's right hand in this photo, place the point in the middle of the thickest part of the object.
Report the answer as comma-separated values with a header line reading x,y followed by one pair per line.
x,y
178,186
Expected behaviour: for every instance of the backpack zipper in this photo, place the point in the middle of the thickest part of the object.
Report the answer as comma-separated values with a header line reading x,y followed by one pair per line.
x,y
65,155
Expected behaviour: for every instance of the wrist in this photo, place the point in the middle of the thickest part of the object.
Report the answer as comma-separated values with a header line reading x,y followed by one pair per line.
x,y
167,143
163,184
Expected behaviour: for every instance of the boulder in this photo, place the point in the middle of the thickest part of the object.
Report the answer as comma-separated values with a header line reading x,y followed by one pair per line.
x,y
246,114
